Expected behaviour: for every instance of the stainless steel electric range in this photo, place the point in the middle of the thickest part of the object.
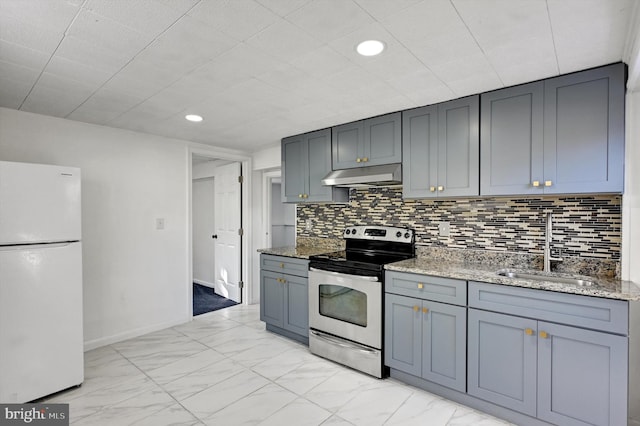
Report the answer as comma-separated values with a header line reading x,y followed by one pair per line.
x,y
346,295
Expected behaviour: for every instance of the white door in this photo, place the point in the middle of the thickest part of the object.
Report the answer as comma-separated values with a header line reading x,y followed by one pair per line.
x,y
228,223
203,232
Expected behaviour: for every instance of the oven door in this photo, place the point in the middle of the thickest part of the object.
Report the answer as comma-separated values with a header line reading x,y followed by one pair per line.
x,y
347,306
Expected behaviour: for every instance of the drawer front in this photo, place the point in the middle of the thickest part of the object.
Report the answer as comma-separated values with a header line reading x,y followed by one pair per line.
x,y
285,265
446,290
582,311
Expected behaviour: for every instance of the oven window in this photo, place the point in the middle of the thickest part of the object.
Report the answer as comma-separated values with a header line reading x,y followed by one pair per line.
x,y
344,304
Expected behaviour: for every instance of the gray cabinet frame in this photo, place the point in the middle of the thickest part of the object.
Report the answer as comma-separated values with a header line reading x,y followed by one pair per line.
x,y
563,135
284,296
369,142
423,337
306,159
441,150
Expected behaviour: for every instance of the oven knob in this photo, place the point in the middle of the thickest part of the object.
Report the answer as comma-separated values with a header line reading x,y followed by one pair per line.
x,y
407,235
348,231
398,234
353,231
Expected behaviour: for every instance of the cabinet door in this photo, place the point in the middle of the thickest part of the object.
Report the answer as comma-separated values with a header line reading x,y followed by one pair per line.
x,y
382,140
502,360
319,165
271,298
295,175
458,148
347,145
584,131
402,331
420,152
582,376
296,301
444,338
511,140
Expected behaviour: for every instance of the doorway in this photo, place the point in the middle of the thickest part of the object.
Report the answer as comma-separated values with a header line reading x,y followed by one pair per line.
x,y
216,210
283,218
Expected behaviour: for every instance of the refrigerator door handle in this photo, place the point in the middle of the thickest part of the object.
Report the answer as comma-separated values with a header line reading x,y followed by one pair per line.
x,y
36,246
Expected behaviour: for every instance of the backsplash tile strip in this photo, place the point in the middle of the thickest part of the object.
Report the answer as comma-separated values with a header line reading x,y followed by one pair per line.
x,y
583,226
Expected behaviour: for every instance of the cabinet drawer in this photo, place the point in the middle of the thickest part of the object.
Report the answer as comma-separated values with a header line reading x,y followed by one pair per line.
x,y
285,265
582,311
446,290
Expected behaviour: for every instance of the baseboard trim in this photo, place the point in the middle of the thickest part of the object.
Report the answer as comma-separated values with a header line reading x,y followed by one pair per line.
x,y
108,340
204,283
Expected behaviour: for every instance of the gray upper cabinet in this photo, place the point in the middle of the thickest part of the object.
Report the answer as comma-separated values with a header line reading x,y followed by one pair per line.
x,y
441,150
367,142
584,131
306,159
511,140
563,135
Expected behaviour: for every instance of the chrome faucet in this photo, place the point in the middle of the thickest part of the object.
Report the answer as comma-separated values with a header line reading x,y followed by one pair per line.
x,y
548,236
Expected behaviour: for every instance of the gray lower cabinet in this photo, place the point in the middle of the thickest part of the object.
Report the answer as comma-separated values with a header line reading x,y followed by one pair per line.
x,y
426,338
561,374
441,150
284,296
562,135
306,159
369,142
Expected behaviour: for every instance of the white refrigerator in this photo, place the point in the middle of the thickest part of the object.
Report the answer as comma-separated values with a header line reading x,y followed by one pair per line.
x,y
41,341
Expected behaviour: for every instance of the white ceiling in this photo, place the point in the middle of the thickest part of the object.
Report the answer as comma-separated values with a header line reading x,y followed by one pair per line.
x,y
259,70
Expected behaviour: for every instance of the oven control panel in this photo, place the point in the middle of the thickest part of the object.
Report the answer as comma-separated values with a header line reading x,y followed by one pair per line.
x,y
382,233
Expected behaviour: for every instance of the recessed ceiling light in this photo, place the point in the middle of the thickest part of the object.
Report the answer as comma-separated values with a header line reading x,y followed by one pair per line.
x,y
194,118
370,48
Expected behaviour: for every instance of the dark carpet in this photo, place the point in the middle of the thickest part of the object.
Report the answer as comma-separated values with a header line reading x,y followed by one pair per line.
x,y
206,300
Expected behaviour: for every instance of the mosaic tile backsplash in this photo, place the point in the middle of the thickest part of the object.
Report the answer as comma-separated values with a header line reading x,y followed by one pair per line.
x,y
583,226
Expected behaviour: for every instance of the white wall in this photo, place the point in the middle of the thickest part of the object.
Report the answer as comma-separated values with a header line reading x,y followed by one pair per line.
x,y
264,161
136,278
631,198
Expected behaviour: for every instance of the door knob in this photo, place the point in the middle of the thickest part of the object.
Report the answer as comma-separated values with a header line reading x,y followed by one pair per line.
x,y
214,236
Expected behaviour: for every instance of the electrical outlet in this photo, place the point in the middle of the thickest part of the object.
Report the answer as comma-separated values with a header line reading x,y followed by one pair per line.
x,y
160,223
444,229
308,226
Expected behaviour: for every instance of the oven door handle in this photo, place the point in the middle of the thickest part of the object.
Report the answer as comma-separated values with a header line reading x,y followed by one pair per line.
x,y
357,277
341,343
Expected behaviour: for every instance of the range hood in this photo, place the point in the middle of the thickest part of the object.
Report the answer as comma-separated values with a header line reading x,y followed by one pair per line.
x,y
387,174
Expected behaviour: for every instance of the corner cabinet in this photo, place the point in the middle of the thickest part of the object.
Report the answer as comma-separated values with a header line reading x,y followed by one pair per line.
x,y
424,337
441,150
368,142
563,135
284,296
306,159
559,373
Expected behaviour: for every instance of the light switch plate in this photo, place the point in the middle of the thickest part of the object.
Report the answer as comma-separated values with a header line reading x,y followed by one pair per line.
x,y
444,229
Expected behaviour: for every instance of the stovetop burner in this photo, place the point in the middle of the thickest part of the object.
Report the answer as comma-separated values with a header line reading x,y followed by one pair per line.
x,y
368,249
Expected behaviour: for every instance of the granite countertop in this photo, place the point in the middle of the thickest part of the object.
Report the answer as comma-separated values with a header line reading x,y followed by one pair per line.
x,y
602,287
300,252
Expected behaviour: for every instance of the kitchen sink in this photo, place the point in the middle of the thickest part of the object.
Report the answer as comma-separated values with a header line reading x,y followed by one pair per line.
x,y
545,277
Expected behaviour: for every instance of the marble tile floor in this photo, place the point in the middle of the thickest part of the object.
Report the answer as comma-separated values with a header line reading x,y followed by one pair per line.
x,y
223,368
